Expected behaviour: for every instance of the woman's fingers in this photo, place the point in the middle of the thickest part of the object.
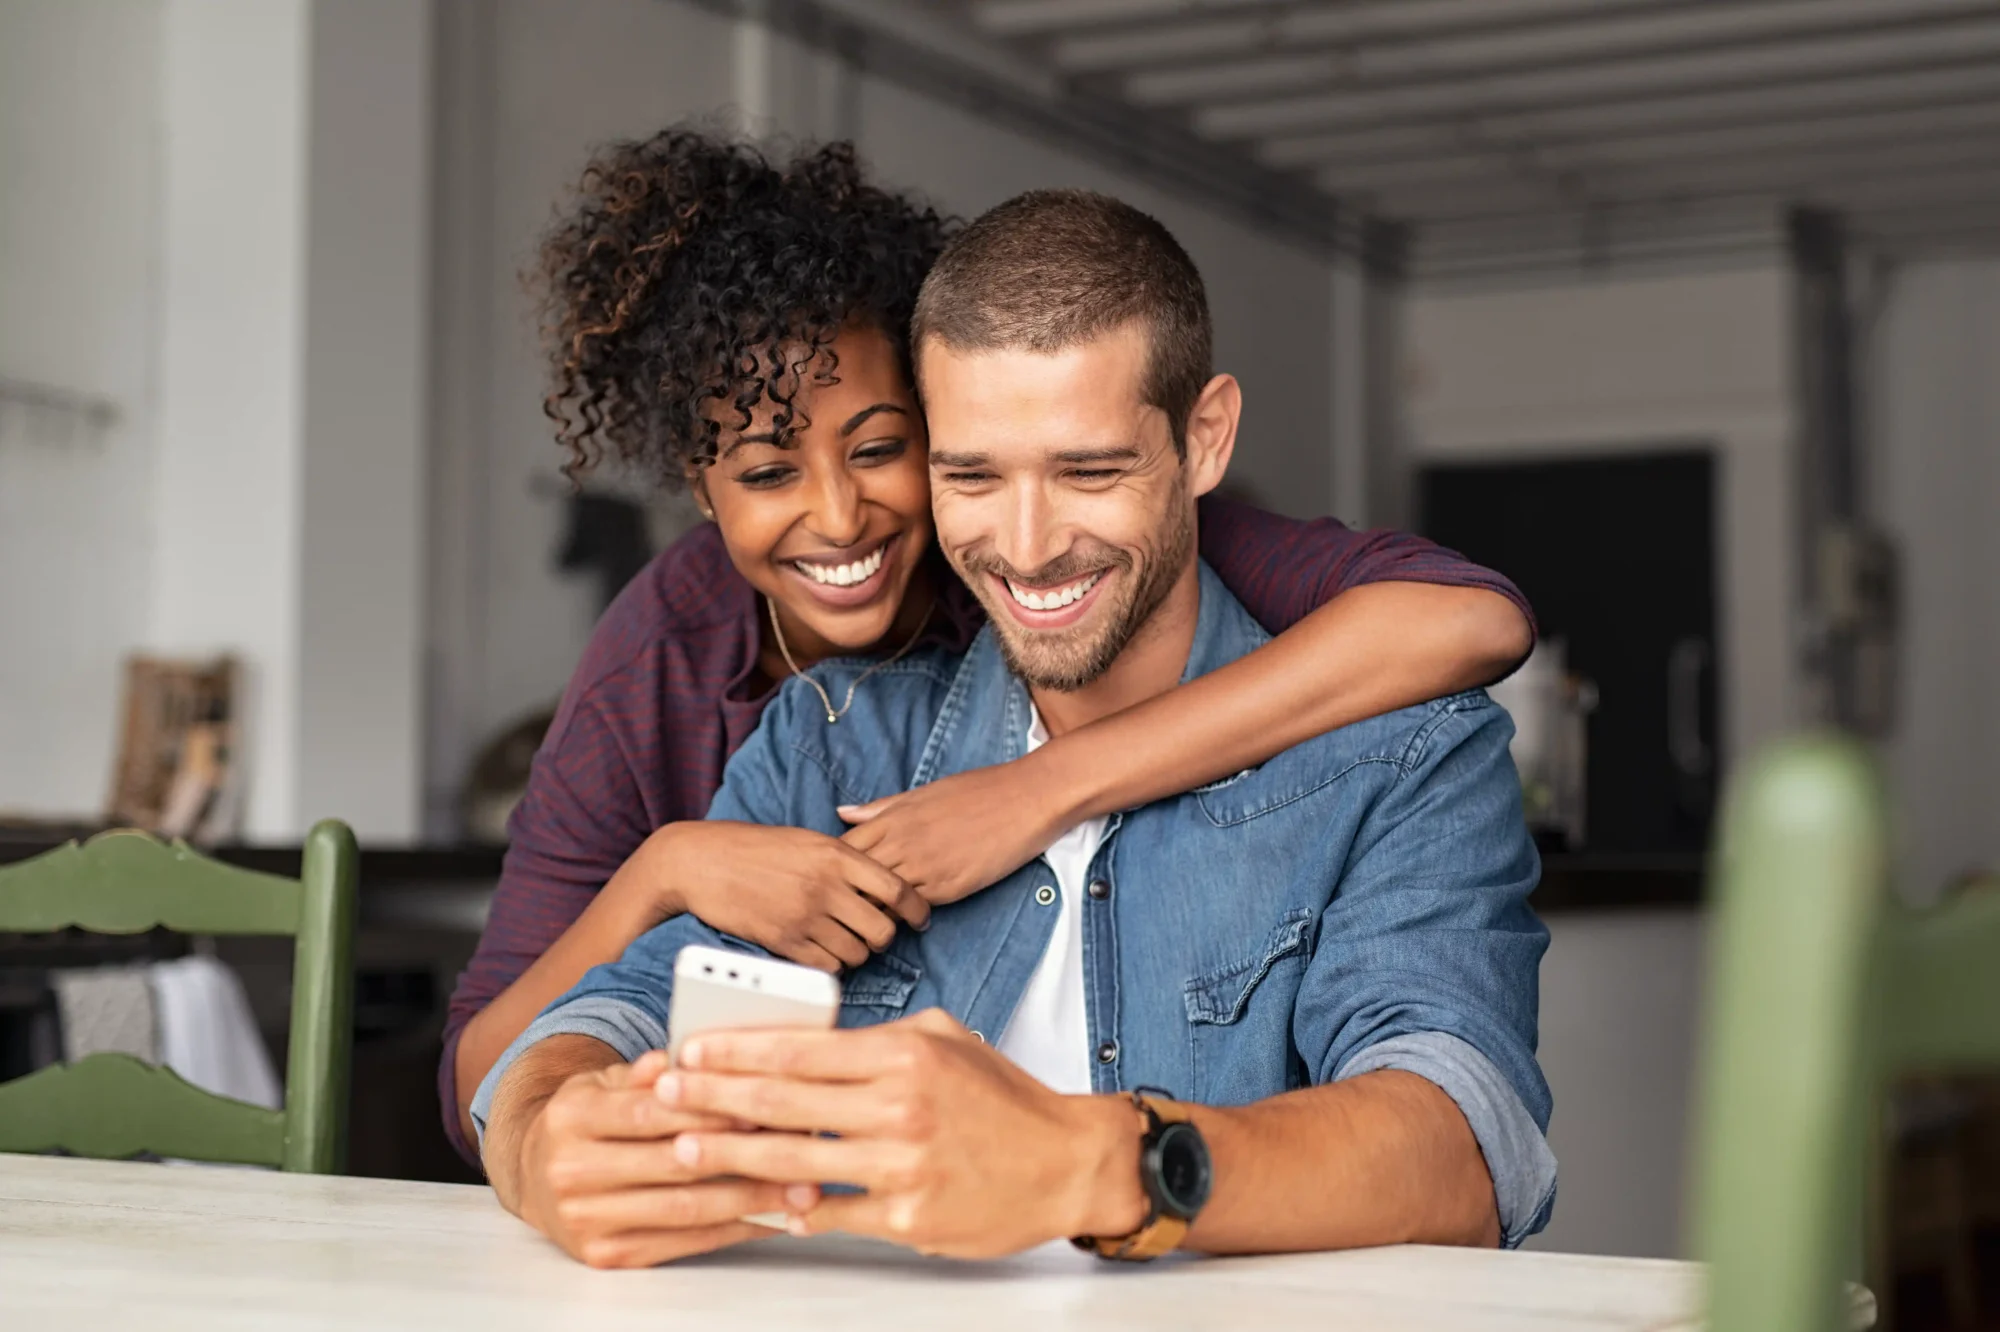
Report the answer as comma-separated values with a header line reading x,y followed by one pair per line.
x,y
885,887
862,917
838,940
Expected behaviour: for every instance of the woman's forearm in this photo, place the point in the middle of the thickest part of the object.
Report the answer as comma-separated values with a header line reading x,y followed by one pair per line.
x,y
1368,651
623,909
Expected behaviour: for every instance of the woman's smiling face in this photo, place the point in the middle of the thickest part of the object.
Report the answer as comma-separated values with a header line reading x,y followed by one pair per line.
x,y
831,521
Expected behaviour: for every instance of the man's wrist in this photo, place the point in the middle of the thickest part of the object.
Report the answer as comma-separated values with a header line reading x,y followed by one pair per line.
x,y
1108,1199
655,891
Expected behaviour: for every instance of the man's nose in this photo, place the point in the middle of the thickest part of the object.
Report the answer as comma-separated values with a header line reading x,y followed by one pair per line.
x,y
1032,534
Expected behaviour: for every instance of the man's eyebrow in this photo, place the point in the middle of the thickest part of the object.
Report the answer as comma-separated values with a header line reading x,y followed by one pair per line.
x,y
854,421
946,458
1084,457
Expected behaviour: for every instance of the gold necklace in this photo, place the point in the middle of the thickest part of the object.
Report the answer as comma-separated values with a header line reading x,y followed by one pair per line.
x,y
832,717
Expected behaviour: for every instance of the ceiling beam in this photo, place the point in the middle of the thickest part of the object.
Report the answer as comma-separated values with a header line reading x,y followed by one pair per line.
x,y
1611,39
1768,116
1304,26
1848,54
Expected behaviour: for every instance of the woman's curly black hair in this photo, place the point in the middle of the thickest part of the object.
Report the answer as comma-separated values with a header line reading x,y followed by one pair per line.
x,y
692,269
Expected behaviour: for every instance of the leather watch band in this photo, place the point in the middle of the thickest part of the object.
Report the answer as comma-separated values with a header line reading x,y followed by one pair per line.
x,y
1160,1234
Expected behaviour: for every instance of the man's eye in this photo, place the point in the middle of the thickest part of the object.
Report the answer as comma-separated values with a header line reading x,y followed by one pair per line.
x,y
968,478
1093,474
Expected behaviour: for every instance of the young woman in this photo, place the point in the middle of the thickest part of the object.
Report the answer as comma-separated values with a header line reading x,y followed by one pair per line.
x,y
740,327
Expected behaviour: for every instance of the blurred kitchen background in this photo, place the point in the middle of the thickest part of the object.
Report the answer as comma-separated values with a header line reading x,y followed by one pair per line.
x,y
1685,314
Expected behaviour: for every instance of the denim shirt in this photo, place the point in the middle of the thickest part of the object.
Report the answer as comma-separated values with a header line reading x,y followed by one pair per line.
x,y
1357,903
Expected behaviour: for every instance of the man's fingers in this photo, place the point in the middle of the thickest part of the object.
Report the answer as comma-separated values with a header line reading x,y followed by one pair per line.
x,y
775,1103
795,1158
650,1248
673,1207
882,1216
600,1167
846,1055
626,1113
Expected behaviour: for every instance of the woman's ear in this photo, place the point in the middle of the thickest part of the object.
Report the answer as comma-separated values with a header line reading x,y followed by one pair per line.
x,y
698,487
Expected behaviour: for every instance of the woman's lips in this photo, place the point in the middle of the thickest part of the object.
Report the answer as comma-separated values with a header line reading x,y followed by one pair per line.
x,y
868,585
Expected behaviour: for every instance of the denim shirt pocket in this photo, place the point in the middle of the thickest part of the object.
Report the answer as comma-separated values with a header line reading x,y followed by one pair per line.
x,y
879,990
1218,1001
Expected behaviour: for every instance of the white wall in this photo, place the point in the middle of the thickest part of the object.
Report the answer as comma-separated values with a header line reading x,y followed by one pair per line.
x,y
1936,443
1631,365
80,183
559,78
1620,1003
215,214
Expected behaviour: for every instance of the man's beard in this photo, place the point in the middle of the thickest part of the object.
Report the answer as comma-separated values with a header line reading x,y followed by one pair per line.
x,y
1066,660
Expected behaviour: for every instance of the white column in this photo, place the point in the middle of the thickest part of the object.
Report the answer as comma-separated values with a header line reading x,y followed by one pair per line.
x,y
291,426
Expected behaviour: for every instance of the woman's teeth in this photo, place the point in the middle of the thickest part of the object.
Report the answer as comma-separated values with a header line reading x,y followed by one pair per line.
x,y
1055,598
845,575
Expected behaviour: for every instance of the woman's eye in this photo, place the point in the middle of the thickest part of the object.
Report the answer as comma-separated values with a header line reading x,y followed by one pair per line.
x,y
881,451
763,478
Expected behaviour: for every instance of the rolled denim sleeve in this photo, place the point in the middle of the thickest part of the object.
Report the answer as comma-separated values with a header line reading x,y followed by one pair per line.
x,y
1517,1155
1430,935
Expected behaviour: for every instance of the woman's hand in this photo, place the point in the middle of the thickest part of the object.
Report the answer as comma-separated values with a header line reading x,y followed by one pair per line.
x,y
959,834
803,895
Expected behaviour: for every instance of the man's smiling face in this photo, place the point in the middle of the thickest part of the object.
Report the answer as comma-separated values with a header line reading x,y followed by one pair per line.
x,y
1059,496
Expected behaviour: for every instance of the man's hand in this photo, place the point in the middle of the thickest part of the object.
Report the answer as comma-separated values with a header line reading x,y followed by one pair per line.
x,y
597,1173
950,838
961,1153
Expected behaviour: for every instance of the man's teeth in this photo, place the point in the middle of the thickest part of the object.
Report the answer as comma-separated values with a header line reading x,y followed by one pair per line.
x,y
845,575
1055,598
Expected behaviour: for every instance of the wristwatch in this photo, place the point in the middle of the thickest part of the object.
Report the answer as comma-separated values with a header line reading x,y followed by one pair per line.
x,y
1174,1170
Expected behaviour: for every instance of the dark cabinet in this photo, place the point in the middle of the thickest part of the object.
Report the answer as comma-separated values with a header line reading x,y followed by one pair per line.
x,y
1617,553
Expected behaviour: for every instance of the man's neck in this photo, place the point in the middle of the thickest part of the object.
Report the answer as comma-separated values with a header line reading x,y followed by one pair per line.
x,y
1152,663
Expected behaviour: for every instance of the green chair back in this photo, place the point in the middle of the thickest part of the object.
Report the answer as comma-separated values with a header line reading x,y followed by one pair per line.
x,y
1823,988
112,1105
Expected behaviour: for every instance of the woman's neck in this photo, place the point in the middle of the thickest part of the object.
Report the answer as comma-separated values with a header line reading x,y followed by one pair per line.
x,y
807,647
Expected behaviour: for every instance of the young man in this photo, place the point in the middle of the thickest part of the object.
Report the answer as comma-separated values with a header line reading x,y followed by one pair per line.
x,y
1292,1010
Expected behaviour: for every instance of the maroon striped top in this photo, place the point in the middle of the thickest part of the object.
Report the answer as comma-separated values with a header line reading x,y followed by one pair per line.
x,y
664,695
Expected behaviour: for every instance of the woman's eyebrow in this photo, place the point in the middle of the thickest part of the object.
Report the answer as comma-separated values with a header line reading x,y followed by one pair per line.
x,y
854,421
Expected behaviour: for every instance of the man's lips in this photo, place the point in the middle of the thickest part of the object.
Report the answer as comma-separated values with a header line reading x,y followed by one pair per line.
x,y
1054,606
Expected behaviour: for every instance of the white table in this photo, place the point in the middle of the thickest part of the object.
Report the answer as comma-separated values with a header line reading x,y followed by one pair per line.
x,y
88,1244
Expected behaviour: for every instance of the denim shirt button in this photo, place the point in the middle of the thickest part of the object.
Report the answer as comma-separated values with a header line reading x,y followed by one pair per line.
x,y
1045,894
1099,889
1107,1052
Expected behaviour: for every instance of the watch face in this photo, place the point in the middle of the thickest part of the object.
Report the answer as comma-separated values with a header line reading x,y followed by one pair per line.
x,y
1184,1173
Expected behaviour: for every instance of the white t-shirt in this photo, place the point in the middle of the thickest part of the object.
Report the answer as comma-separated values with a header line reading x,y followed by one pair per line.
x,y
1049,1034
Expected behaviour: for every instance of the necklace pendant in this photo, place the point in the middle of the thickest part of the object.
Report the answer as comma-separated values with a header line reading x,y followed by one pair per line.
x,y
832,717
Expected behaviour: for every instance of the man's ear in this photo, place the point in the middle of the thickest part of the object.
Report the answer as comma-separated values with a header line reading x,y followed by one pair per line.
x,y
1211,433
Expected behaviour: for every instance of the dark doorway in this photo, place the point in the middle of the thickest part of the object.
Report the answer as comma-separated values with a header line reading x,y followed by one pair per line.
x,y
1617,553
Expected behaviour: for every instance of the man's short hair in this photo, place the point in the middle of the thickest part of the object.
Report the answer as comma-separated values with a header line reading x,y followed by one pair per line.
x,y
1050,269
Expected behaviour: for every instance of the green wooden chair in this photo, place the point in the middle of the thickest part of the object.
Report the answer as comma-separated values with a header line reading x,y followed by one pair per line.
x,y
112,1105
1822,989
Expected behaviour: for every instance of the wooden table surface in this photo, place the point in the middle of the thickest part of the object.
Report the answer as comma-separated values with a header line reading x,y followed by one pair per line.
x,y
87,1244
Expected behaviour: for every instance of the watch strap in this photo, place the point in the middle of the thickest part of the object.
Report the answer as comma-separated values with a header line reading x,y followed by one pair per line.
x,y
1159,1233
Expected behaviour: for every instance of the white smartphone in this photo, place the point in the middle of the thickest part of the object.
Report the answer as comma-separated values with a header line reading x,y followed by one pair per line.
x,y
714,990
